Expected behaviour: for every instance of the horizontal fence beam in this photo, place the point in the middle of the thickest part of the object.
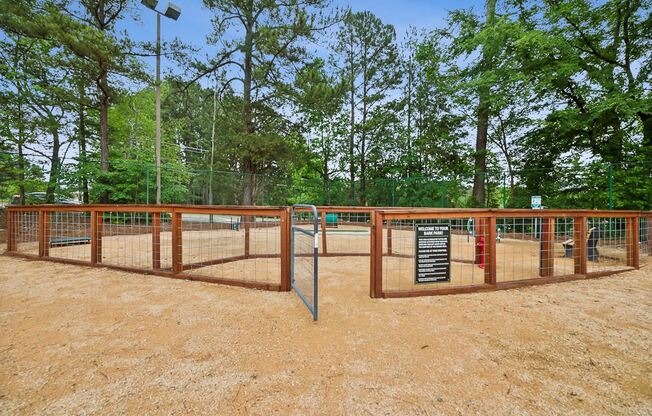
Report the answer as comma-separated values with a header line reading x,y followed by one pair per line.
x,y
390,213
377,217
453,213
485,225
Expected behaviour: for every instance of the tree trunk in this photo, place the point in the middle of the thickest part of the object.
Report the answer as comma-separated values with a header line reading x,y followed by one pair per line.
x,y
352,135
82,144
21,140
646,122
249,182
409,117
326,158
247,113
54,167
21,173
480,165
82,153
103,89
210,181
363,125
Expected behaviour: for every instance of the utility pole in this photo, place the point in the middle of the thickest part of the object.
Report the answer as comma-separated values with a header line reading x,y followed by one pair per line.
x,y
158,109
173,12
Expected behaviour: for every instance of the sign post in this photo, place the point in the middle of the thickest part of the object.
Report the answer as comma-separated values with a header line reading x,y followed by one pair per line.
x,y
432,253
535,203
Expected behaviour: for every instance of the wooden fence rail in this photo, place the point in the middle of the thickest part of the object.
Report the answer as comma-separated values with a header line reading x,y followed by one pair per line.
x,y
265,235
485,226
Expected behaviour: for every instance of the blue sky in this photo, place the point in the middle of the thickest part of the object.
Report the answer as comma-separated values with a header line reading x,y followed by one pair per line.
x,y
195,22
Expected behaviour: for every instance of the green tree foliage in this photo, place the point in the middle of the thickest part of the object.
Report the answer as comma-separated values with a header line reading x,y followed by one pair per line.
x,y
86,31
301,102
369,63
267,44
590,65
319,97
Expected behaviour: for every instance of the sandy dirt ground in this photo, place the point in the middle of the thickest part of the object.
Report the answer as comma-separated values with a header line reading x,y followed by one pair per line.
x,y
76,340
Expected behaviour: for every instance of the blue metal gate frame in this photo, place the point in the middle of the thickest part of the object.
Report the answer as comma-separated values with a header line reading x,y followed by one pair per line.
x,y
315,234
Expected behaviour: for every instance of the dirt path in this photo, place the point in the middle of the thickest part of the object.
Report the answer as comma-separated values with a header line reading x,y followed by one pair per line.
x,y
77,340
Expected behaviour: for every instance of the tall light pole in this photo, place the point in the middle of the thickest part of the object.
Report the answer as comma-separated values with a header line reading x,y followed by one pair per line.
x,y
173,12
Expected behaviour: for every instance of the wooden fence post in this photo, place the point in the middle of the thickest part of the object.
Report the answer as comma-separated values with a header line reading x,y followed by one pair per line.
x,y
489,231
156,240
177,248
96,236
579,245
649,236
12,230
478,232
324,248
376,282
547,261
372,261
631,241
43,233
47,232
389,238
285,250
247,224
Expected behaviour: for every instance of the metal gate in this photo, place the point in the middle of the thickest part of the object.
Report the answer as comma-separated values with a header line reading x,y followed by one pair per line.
x,y
304,255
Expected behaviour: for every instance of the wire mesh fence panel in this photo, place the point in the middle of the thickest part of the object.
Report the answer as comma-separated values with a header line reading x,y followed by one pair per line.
x,y
127,240
466,258
521,249
304,241
264,236
250,246
563,246
69,235
607,244
234,247
165,242
26,231
344,233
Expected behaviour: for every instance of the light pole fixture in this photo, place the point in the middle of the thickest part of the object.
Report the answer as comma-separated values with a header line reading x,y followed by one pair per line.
x,y
173,12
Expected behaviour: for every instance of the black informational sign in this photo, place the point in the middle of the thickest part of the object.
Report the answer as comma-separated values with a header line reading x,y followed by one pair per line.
x,y
432,253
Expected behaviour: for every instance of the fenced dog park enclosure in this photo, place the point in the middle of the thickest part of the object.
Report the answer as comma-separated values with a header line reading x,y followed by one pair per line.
x,y
397,252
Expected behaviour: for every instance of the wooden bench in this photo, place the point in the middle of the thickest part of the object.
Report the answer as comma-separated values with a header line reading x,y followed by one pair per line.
x,y
592,252
69,241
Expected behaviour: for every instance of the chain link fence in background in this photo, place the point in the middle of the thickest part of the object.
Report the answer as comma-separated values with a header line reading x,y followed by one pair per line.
x,y
593,186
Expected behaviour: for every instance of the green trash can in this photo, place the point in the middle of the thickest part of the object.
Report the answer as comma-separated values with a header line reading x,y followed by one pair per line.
x,y
331,219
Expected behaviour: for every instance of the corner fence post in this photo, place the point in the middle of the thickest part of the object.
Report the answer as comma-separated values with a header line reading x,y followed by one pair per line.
x,y
490,250
285,250
579,250
156,240
177,249
631,238
547,262
376,283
